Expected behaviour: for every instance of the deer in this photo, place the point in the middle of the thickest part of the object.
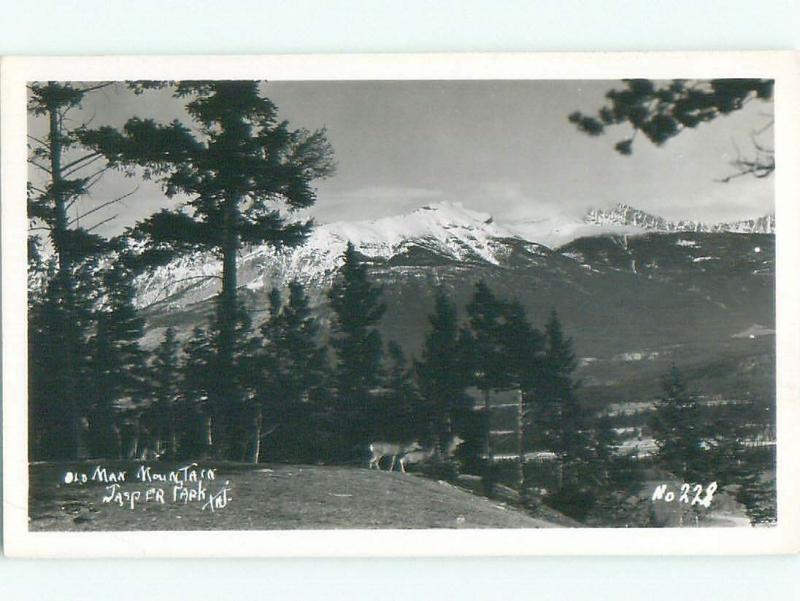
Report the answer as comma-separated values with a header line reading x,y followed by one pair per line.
x,y
422,455
404,454
415,456
380,450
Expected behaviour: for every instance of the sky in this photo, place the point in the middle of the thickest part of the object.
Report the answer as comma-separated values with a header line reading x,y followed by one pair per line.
x,y
501,147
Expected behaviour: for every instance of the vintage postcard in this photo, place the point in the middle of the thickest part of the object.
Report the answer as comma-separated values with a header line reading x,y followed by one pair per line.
x,y
371,305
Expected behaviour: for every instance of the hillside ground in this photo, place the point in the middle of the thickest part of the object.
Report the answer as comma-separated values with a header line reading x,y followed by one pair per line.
x,y
267,497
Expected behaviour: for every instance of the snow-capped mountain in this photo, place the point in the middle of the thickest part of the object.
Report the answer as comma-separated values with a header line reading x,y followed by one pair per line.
x,y
445,231
448,230
650,295
442,232
625,215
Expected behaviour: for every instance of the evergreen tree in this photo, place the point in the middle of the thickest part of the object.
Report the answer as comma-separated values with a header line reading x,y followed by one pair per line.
x,y
561,420
293,371
165,375
441,373
727,460
758,493
358,308
118,363
243,168
562,425
677,428
58,381
195,432
487,322
472,424
235,414
271,362
523,348
606,444
307,361
59,329
404,416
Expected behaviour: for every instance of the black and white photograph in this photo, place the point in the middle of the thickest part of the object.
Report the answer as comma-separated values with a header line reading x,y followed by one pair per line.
x,y
434,303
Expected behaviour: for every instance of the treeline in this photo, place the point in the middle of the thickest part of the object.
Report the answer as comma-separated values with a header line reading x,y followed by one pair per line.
x,y
286,394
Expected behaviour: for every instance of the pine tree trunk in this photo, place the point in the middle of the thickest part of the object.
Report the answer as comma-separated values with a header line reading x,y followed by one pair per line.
x,y
171,429
209,433
520,445
173,440
133,453
118,441
227,325
488,442
444,445
255,443
65,277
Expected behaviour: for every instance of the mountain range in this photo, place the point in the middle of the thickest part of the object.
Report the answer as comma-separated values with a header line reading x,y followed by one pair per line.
x,y
625,215
636,292
441,232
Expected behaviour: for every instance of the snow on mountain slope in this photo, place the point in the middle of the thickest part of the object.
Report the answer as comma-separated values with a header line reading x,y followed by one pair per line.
x,y
556,232
447,229
625,215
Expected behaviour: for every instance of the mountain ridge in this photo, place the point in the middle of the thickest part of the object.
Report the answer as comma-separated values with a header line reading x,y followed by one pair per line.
x,y
441,232
624,214
623,292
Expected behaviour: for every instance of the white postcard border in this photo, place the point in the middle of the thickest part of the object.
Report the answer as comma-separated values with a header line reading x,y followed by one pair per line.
x,y
784,538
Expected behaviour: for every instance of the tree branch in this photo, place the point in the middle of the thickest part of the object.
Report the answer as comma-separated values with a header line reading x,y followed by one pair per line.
x,y
103,222
193,277
35,139
71,164
97,87
42,167
105,204
95,177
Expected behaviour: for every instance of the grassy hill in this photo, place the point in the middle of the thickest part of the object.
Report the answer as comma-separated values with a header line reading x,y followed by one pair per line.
x,y
269,497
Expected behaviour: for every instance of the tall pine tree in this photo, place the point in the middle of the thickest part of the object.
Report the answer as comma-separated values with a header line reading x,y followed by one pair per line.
x,y
118,363
306,358
487,322
404,415
292,371
241,170
677,428
562,424
442,373
165,376
358,308
58,380
62,173
195,432
232,406
523,349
